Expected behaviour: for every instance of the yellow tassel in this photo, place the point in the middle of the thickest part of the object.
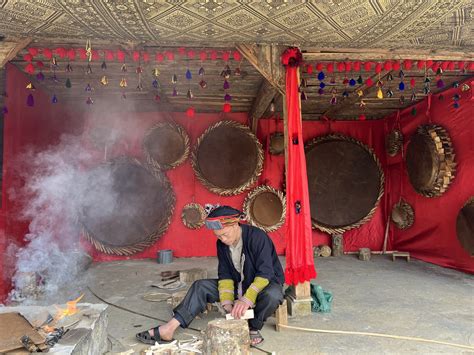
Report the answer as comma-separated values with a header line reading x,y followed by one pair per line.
x,y
104,81
123,83
379,93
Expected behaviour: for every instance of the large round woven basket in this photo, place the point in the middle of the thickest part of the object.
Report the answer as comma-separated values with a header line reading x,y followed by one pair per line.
x,y
265,208
345,182
127,206
430,160
166,145
228,158
465,226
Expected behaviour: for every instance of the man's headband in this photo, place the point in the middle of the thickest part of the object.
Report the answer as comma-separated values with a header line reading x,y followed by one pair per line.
x,y
220,222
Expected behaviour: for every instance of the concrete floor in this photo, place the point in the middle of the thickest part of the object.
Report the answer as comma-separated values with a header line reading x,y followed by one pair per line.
x,y
412,299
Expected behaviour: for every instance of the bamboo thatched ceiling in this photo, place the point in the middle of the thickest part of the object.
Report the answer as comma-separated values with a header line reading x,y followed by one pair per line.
x,y
354,28
446,24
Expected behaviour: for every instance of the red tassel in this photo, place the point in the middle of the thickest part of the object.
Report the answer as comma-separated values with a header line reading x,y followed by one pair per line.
x,y
40,64
340,67
348,66
190,112
451,65
378,67
237,56
330,67
109,55
429,63
444,65
71,54
309,69
357,66
120,55
396,65
387,65
225,56
213,55
182,51
319,67
226,107
169,55
407,64
30,69
33,51
28,57
191,54
368,66
434,67
461,65
471,66
420,64
136,56
82,53
95,55
362,117
159,57
369,82
146,57
47,53
203,55
412,82
60,51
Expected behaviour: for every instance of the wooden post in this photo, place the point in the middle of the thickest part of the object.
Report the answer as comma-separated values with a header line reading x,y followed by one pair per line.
x,y
281,315
227,337
337,245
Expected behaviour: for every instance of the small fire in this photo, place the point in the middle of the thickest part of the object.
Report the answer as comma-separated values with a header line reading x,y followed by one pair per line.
x,y
61,313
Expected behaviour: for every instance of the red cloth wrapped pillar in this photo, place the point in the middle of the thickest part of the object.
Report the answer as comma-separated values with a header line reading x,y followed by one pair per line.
x,y
299,247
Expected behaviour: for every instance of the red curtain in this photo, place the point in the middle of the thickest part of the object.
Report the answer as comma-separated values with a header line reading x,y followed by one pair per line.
x,y
299,251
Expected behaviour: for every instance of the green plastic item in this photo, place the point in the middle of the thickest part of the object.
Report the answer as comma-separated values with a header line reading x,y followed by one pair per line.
x,y
322,300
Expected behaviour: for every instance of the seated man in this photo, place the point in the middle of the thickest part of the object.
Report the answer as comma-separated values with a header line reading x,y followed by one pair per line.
x,y
249,276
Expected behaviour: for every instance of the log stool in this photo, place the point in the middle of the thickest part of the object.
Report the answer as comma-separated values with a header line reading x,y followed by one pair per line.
x,y
281,316
364,254
227,337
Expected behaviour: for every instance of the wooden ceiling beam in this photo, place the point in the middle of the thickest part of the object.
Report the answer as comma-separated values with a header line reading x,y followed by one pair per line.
x,y
262,101
266,59
383,54
10,48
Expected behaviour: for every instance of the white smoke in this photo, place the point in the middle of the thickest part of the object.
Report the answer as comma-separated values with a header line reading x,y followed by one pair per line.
x,y
55,191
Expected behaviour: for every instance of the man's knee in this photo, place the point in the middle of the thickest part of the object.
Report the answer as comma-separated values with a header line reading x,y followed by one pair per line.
x,y
272,296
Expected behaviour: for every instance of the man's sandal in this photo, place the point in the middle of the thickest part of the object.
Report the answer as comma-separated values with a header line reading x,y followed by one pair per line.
x,y
147,338
255,338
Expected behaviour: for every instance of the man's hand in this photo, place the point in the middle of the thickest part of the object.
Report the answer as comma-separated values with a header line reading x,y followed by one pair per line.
x,y
228,308
239,309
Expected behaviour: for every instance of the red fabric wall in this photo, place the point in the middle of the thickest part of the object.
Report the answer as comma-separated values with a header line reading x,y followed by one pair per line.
x,y
24,128
433,236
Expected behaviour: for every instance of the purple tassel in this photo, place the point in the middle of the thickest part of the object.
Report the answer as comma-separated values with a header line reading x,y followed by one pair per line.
x,y
89,101
226,85
54,100
175,92
321,91
189,76
333,100
40,76
30,101
5,110
440,84
227,97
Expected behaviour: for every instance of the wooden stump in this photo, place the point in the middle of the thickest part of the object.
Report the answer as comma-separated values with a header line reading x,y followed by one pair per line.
x,y
192,275
322,250
227,337
364,254
337,245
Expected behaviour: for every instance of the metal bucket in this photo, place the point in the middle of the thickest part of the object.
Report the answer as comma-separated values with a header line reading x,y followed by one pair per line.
x,y
165,256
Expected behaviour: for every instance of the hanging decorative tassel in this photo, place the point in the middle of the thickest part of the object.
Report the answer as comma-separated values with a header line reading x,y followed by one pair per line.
x,y
68,83
201,71
352,82
203,84
321,76
401,86
104,81
456,84
124,68
465,87
175,92
413,111
30,86
401,99
88,87
413,96
379,93
440,83
345,94
389,77
189,94
30,100
68,68
303,96
156,72
123,83
89,101
174,79
227,107
332,81
360,93
303,83
189,75
362,104
333,100
54,99
157,98
88,69
40,76
103,66
226,85
190,112
226,72
360,81
155,84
